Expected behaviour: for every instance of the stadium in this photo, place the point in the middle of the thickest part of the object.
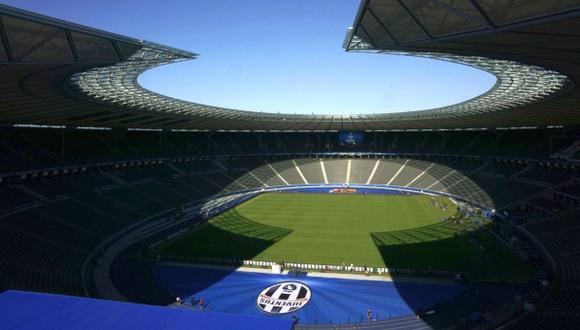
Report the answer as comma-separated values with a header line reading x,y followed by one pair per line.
x,y
121,207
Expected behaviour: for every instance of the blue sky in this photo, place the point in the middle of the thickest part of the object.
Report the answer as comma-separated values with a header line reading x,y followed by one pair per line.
x,y
273,56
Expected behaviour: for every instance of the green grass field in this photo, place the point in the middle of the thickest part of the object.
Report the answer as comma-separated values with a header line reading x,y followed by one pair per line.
x,y
374,230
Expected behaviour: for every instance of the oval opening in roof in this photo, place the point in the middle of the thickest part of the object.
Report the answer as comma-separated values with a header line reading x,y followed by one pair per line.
x,y
341,84
286,57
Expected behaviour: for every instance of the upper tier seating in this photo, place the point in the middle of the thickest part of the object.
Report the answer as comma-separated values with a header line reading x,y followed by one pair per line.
x,y
30,148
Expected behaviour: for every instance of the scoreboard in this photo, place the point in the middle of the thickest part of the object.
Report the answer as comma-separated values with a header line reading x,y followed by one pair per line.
x,y
349,138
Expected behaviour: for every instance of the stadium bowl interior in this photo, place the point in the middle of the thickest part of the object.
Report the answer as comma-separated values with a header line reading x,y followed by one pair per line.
x,y
101,178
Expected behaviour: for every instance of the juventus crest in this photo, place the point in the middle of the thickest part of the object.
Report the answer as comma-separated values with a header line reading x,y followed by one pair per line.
x,y
283,297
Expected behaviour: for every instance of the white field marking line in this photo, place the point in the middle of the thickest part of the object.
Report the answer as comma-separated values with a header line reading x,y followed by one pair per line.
x,y
279,176
373,172
419,176
399,171
443,178
262,182
323,172
348,171
299,172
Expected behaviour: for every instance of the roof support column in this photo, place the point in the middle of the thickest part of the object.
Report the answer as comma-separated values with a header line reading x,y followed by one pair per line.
x,y
71,44
6,42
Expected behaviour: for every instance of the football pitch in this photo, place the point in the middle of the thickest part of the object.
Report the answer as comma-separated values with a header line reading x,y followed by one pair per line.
x,y
396,231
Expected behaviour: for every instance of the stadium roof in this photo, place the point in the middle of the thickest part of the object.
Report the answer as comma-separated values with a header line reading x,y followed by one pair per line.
x,y
59,73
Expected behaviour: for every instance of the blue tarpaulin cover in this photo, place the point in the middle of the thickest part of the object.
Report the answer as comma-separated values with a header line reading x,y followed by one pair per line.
x,y
29,310
333,299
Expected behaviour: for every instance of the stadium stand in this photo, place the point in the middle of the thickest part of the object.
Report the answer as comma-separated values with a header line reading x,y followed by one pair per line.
x,y
292,172
77,146
560,236
80,218
386,171
361,170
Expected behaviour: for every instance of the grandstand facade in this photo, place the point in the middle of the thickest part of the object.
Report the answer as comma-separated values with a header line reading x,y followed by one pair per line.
x,y
94,168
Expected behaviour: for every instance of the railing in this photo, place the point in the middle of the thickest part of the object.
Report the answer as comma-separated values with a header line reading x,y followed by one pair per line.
x,y
295,266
